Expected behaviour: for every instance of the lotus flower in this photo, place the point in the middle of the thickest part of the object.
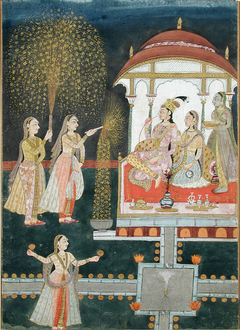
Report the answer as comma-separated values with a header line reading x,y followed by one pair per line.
x,y
195,305
135,306
139,257
196,259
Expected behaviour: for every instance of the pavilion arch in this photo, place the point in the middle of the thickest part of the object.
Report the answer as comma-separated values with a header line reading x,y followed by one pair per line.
x,y
141,81
193,81
169,56
177,87
212,90
123,82
234,85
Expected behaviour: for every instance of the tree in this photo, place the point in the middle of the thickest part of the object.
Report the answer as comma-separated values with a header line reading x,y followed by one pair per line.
x,y
110,138
58,58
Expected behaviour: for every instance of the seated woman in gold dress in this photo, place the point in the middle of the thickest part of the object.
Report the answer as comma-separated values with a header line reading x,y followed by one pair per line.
x,y
188,163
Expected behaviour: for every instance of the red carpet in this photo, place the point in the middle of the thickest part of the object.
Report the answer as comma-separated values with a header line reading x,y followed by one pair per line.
x,y
177,194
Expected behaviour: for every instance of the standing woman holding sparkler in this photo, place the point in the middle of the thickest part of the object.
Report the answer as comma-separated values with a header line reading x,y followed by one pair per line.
x,y
66,184
27,180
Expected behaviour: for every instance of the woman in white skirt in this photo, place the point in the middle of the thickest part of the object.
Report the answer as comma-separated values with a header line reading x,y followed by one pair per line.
x,y
66,184
58,303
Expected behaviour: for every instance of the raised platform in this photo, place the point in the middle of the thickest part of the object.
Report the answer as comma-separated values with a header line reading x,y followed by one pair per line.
x,y
221,209
175,221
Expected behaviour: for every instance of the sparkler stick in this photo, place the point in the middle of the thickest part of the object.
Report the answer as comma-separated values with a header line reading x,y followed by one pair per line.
x,y
96,128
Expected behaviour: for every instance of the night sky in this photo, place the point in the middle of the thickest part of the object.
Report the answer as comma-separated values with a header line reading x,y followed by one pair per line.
x,y
120,24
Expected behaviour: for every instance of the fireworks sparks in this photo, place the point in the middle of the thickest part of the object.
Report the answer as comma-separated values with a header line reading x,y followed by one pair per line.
x,y
56,62
110,137
114,120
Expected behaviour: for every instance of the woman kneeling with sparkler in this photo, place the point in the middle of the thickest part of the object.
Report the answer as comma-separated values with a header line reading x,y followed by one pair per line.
x,y
152,158
66,185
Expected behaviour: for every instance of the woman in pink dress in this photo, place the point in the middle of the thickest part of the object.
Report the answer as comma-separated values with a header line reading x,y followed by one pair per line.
x,y
151,163
66,184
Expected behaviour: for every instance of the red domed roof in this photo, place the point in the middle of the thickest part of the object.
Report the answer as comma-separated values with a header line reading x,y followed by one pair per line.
x,y
179,35
178,43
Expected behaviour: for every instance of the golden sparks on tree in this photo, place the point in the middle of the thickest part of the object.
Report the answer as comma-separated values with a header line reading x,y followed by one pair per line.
x,y
102,191
56,64
110,137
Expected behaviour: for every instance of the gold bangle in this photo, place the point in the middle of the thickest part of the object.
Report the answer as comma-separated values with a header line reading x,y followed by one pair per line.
x,y
87,260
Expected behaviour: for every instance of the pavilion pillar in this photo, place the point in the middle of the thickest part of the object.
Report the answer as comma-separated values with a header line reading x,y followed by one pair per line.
x,y
151,98
203,98
229,96
131,100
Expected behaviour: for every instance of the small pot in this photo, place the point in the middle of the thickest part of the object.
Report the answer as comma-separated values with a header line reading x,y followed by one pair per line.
x,y
102,224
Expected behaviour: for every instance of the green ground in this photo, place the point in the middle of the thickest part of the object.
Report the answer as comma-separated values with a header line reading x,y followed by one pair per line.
x,y
217,259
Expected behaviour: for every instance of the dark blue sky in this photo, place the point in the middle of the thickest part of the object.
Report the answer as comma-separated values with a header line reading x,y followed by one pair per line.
x,y
125,23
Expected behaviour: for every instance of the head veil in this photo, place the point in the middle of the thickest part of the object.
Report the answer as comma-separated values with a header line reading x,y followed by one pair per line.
x,y
183,147
58,144
199,133
230,129
20,155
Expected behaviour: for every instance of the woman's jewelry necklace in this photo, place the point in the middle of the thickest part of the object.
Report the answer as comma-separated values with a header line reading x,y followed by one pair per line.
x,y
62,255
72,137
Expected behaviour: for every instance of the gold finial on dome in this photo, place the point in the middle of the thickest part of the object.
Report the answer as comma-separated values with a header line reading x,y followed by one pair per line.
x,y
227,53
131,52
179,24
